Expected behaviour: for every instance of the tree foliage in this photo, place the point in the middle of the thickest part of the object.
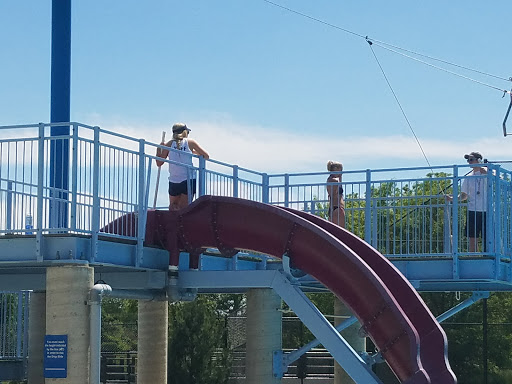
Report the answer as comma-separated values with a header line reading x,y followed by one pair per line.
x,y
465,336
119,323
198,350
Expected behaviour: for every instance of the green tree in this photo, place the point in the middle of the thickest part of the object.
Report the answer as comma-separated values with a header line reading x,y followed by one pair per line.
x,y
119,325
198,347
229,304
465,336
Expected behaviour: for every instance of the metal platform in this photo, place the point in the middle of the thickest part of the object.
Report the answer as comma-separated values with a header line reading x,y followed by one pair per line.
x,y
115,264
400,212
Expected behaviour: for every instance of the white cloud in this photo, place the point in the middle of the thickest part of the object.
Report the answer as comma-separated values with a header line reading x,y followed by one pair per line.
x,y
273,150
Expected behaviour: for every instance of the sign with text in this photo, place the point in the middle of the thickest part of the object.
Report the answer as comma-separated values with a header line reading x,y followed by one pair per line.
x,y
56,356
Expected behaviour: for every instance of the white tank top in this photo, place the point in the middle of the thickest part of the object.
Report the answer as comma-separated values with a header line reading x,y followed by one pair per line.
x,y
177,173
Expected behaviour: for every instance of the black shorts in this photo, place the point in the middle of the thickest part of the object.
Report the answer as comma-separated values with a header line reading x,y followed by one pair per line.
x,y
476,224
176,189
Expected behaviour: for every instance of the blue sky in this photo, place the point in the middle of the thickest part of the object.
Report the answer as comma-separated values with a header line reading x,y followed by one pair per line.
x,y
266,88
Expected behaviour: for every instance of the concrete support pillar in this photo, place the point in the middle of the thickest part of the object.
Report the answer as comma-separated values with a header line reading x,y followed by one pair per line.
x,y
67,313
152,342
351,336
264,335
36,332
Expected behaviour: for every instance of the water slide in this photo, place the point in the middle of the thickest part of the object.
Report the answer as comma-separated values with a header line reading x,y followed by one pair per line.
x,y
433,343
387,306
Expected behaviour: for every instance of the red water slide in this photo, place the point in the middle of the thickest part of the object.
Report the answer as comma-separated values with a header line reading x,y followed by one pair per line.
x,y
433,343
228,223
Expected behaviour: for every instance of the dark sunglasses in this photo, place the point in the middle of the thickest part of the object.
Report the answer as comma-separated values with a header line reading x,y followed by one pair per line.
x,y
470,159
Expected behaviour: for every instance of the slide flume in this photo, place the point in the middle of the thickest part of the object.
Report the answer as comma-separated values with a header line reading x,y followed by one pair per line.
x,y
343,263
433,342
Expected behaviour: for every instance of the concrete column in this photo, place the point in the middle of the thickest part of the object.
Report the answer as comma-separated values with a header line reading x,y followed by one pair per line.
x,y
152,342
264,335
36,332
67,313
351,336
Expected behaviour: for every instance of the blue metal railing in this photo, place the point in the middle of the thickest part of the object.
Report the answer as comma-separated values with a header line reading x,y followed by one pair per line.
x,y
402,212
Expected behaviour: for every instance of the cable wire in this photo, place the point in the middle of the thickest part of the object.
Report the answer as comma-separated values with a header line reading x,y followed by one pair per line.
x,y
440,68
313,18
389,47
400,105
380,43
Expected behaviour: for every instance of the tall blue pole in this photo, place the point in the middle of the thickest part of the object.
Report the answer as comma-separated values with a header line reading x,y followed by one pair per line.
x,y
60,111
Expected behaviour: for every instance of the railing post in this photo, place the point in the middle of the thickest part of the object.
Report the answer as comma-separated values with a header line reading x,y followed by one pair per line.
x,y
493,215
95,220
202,176
8,207
40,182
141,213
265,188
148,182
375,224
235,180
286,190
74,176
455,224
368,208
447,229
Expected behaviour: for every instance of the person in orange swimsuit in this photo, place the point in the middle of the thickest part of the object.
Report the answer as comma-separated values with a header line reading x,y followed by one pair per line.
x,y
335,192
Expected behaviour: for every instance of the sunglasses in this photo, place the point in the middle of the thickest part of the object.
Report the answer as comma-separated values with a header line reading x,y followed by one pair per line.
x,y
470,159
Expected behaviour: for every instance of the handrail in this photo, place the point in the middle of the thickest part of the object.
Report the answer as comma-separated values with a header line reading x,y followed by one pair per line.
x,y
119,179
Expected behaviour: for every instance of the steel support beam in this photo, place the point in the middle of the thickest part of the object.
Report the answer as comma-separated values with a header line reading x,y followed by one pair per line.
x,y
465,304
342,352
